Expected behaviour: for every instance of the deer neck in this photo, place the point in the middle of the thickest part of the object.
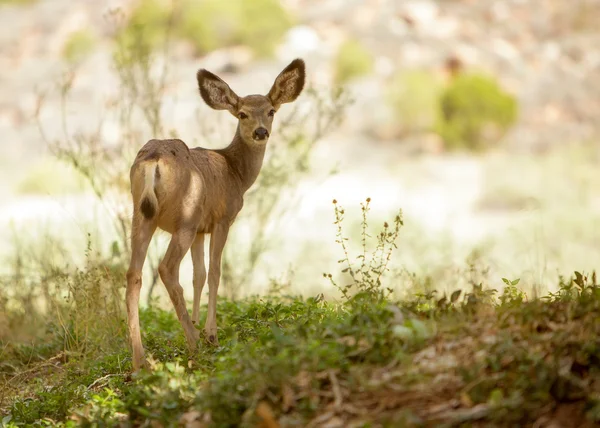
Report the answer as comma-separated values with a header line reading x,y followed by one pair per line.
x,y
245,159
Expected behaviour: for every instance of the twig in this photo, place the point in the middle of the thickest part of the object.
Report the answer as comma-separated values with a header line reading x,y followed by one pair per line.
x,y
108,376
455,417
337,393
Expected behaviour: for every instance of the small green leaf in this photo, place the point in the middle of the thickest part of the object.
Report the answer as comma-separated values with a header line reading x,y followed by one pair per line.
x,y
496,396
455,295
420,329
403,332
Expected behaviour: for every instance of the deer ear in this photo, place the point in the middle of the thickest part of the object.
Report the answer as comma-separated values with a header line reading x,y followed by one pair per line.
x,y
288,84
216,93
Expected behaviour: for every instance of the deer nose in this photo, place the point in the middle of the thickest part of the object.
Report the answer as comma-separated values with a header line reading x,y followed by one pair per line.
x,y
260,133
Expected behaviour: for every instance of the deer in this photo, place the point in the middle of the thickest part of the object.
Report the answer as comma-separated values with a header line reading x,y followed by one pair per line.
x,y
190,193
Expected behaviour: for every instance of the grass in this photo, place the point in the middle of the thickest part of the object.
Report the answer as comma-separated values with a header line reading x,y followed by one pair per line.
x,y
476,357
416,362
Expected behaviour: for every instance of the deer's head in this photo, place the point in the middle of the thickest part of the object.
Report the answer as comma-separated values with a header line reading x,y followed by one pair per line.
x,y
254,112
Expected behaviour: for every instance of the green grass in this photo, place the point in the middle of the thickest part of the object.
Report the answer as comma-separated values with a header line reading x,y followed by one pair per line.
x,y
477,356
466,357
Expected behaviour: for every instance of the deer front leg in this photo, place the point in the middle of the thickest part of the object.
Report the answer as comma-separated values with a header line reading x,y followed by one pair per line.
x,y
141,235
217,243
199,274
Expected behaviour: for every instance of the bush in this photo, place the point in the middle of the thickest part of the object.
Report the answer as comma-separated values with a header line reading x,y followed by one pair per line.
x,y
212,24
352,60
79,45
414,97
475,112
145,28
17,2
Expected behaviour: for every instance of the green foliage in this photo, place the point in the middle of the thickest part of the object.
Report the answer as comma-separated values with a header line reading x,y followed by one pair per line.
x,y
372,264
298,357
17,2
79,45
415,99
352,60
475,112
146,27
51,177
209,24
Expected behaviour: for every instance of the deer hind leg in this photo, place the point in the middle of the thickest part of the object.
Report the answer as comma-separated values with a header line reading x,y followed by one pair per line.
x,y
169,273
217,243
141,235
199,274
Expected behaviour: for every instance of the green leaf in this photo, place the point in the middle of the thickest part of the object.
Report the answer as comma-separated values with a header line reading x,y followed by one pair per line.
x,y
403,332
455,295
496,396
420,329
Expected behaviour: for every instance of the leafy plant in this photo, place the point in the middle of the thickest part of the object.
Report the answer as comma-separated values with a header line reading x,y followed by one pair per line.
x,y
475,112
352,60
78,46
367,272
210,24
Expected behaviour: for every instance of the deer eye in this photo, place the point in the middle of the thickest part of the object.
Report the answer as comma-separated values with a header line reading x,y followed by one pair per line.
x,y
243,115
272,113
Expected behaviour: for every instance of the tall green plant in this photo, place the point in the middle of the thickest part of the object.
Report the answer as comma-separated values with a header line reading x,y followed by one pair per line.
x,y
365,274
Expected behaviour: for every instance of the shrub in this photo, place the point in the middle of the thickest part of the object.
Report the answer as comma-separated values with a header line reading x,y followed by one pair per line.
x,y
475,112
352,60
17,2
414,97
212,24
263,25
79,45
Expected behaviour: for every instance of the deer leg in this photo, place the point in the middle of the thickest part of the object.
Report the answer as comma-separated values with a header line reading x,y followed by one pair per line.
x,y
199,274
169,273
141,234
217,243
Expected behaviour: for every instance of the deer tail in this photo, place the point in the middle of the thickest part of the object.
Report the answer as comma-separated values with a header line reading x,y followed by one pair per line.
x,y
148,202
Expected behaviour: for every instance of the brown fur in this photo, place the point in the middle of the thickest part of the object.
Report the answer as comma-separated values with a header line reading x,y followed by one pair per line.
x,y
193,192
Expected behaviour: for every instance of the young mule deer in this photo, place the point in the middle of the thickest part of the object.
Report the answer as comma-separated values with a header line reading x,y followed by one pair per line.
x,y
193,192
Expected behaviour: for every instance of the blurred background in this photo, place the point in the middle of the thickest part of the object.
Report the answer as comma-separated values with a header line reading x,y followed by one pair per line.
x,y
478,119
